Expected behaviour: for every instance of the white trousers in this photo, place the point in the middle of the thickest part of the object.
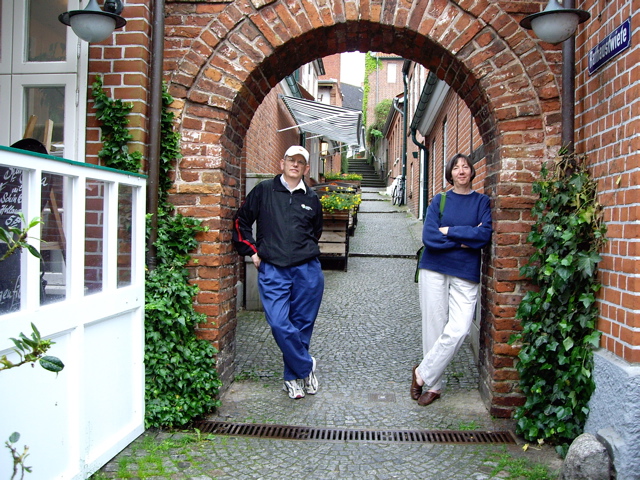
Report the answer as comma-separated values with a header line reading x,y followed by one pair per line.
x,y
448,305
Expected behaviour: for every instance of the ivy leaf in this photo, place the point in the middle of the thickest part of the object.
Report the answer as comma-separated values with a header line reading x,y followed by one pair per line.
x,y
567,343
587,263
593,339
587,299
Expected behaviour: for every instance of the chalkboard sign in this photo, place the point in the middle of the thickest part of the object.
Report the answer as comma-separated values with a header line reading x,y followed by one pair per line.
x,y
10,208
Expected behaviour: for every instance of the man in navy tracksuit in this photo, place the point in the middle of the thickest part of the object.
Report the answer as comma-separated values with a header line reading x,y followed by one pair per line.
x,y
285,252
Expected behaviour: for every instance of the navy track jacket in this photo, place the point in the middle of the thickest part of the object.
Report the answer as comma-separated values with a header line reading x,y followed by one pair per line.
x,y
289,224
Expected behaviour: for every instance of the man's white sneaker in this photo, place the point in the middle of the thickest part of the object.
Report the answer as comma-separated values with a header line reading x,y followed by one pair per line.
x,y
311,382
295,388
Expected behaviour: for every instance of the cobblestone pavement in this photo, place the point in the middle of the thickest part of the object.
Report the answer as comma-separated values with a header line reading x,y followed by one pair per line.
x,y
366,339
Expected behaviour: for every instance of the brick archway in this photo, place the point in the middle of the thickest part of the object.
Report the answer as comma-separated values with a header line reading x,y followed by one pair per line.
x,y
223,58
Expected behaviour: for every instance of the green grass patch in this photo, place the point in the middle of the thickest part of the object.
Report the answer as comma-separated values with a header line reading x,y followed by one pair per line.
x,y
512,468
151,456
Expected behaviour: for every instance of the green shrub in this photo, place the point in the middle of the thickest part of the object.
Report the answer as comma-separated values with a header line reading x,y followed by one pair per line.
x,y
559,318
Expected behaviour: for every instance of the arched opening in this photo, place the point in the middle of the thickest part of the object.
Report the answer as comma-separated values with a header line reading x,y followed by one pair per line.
x,y
224,63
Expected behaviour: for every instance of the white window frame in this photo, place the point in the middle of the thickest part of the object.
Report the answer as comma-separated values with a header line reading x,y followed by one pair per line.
x,y
20,65
392,72
445,153
433,167
68,81
6,35
15,73
5,106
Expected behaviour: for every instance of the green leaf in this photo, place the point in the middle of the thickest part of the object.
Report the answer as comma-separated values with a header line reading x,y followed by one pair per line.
x,y
14,437
568,343
33,251
52,364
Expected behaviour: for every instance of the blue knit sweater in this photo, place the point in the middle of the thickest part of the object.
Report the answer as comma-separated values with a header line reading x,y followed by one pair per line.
x,y
469,220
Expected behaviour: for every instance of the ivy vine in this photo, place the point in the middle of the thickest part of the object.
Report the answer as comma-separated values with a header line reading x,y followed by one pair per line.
x,y
559,317
181,379
374,131
371,64
115,136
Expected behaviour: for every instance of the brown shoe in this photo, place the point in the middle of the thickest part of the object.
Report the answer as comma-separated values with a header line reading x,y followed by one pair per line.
x,y
428,398
416,390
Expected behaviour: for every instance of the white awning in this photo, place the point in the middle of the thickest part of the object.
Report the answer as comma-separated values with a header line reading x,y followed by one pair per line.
x,y
335,123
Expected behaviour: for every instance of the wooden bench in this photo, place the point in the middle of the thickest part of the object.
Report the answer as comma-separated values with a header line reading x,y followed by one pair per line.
x,y
334,242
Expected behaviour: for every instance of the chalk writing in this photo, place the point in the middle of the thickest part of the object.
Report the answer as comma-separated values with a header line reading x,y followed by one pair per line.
x,y
10,208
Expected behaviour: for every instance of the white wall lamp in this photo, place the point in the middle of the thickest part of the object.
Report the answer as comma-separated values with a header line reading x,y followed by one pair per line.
x,y
94,24
557,24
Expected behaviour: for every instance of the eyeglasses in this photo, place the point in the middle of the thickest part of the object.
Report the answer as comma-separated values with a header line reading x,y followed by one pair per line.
x,y
293,161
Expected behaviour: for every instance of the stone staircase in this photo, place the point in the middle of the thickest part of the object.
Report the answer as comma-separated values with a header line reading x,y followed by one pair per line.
x,y
369,176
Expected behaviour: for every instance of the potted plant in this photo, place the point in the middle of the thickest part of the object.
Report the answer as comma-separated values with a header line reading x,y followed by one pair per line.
x,y
340,202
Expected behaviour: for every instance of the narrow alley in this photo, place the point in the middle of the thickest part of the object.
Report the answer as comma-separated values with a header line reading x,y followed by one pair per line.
x,y
367,338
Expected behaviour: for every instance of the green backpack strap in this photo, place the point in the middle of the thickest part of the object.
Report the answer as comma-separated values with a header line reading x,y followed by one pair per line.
x,y
443,201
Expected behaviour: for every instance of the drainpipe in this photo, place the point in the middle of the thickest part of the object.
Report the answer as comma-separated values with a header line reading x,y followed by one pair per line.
x,y
568,87
425,184
155,125
421,109
404,129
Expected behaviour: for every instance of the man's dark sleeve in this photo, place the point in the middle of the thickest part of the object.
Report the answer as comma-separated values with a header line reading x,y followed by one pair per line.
x,y
243,222
317,224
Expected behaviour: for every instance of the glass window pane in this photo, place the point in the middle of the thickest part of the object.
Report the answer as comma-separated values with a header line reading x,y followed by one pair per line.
x,y
10,208
94,236
125,202
53,246
46,103
46,35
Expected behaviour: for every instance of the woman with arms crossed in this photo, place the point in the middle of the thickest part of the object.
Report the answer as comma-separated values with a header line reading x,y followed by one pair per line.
x,y
453,237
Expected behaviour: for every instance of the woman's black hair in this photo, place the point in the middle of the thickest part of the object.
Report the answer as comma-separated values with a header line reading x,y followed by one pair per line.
x,y
452,163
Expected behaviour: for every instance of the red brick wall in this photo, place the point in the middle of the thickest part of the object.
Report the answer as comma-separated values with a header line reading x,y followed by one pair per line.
x,y
394,151
122,61
221,65
608,122
460,127
379,87
264,146
331,68
94,235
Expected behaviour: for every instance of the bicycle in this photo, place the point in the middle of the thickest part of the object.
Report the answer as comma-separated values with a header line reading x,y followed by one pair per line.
x,y
397,195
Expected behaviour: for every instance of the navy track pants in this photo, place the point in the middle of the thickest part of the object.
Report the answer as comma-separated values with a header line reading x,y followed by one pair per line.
x,y
291,298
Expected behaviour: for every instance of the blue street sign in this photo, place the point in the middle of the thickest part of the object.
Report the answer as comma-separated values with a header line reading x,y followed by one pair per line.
x,y
612,45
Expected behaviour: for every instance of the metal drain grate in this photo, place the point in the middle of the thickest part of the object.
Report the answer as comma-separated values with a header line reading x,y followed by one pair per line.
x,y
289,432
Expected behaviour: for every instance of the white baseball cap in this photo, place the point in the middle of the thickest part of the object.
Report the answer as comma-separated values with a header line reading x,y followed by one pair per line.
x,y
297,150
